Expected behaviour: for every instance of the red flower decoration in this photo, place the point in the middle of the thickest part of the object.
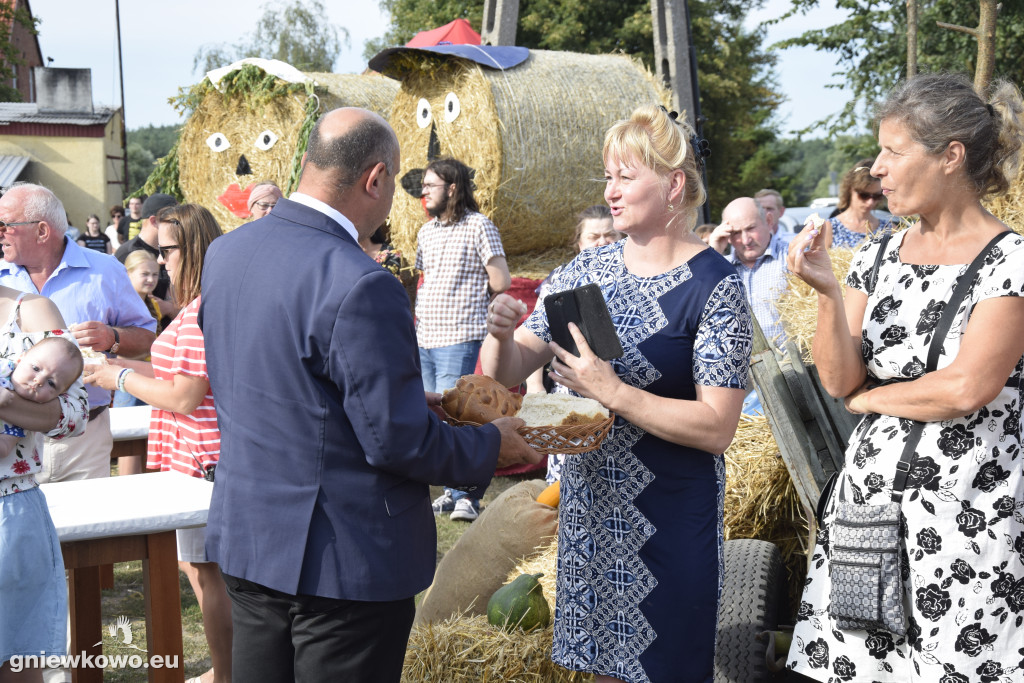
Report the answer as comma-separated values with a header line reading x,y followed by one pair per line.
x,y
20,467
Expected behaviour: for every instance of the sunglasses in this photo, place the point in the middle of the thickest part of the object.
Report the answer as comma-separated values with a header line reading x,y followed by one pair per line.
x,y
165,251
866,196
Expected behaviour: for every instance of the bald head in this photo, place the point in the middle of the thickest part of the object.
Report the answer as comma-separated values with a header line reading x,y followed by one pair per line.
x,y
749,229
350,164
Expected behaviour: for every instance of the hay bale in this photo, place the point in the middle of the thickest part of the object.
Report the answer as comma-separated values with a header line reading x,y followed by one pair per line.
x,y
533,134
262,119
469,650
798,305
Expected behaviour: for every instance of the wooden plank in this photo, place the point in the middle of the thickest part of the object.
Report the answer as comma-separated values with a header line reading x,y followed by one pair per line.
x,y
86,619
163,606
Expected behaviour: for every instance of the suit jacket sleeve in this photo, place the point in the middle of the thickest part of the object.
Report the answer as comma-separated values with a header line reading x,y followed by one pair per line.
x,y
384,399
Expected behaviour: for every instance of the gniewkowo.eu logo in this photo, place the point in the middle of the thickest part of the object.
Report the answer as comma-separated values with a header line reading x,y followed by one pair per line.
x,y
83,660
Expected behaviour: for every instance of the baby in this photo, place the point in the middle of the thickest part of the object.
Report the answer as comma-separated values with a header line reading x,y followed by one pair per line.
x,y
41,373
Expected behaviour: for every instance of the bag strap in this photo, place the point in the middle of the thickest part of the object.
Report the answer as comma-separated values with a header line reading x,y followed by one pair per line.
x,y
873,274
941,330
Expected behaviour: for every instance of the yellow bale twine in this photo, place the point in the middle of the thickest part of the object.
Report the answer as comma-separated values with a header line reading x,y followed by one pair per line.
x,y
532,133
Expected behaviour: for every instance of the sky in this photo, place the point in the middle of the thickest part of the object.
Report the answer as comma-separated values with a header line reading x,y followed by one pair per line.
x,y
160,40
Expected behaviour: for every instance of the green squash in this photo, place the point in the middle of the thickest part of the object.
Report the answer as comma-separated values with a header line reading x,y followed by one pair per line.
x,y
519,604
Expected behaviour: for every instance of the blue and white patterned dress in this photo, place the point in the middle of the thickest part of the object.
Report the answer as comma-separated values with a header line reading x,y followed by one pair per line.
x,y
640,519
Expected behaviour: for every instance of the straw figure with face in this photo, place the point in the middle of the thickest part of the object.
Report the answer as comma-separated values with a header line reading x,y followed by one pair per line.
x,y
252,126
530,123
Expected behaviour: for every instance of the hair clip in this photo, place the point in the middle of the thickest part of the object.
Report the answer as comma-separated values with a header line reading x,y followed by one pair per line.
x,y
701,148
991,110
674,115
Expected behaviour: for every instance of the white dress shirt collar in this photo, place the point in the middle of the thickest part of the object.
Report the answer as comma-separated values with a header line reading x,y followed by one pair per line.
x,y
327,210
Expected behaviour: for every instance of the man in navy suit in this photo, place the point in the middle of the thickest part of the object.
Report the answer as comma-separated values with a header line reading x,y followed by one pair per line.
x,y
321,518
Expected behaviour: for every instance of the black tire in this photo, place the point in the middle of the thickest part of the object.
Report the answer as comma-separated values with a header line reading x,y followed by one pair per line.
x,y
753,600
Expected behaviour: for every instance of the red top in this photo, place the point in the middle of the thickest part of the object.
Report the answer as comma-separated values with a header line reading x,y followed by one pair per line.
x,y
184,443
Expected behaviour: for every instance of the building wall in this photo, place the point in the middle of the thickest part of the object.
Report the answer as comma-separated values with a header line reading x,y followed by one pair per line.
x,y
77,169
28,47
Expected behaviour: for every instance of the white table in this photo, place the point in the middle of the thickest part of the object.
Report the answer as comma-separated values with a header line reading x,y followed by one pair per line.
x,y
121,519
130,429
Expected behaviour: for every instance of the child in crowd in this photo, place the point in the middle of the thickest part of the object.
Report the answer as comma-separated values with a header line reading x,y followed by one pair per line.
x,y
42,373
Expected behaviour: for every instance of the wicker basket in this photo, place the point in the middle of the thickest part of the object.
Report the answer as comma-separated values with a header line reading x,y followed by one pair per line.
x,y
560,439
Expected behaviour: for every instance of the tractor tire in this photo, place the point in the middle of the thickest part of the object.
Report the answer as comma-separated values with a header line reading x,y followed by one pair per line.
x,y
753,600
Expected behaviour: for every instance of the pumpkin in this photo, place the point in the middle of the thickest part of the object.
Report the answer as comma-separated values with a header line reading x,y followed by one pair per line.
x,y
549,496
519,604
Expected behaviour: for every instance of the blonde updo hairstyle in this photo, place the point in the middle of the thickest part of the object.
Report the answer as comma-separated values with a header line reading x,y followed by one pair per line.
x,y
940,108
651,137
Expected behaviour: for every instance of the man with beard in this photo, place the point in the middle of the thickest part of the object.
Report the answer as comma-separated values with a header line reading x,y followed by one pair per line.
x,y
463,263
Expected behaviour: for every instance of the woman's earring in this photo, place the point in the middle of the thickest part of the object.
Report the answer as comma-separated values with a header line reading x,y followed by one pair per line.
x,y
671,208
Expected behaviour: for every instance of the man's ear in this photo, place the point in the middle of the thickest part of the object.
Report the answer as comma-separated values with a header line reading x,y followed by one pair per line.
x,y
375,180
43,231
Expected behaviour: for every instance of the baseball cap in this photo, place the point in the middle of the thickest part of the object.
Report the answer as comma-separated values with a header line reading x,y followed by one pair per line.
x,y
155,202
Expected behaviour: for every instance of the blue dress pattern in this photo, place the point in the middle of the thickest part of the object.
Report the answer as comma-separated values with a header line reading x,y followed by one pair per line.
x,y
842,236
640,519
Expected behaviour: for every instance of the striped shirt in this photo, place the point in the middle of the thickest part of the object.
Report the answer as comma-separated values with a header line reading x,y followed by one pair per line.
x,y
451,306
764,284
184,443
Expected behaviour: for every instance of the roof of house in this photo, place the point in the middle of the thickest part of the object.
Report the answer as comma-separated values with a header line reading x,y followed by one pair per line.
x,y
29,112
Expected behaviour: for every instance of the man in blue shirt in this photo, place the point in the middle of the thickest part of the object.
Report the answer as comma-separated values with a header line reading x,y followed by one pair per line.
x,y
96,299
320,519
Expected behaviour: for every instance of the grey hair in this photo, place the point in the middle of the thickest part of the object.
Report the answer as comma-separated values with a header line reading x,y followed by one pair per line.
x,y
938,109
41,204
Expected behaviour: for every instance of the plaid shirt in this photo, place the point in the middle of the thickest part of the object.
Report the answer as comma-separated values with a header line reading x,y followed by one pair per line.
x,y
764,284
451,306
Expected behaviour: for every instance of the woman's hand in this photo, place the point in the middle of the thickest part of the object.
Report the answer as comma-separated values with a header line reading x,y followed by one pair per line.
x,y
857,402
102,375
587,374
808,256
503,313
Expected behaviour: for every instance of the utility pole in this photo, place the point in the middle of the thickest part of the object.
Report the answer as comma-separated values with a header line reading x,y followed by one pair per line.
x,y
499,24
124,121
675,63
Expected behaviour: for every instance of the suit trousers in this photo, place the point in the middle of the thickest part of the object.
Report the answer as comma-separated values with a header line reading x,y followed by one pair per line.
x,y
281,638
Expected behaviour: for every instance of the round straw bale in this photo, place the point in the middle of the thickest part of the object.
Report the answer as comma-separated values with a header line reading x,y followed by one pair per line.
x,y
265,122
532,134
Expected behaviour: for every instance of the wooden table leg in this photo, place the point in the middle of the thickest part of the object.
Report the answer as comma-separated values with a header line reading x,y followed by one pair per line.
x,y
163,607
86,620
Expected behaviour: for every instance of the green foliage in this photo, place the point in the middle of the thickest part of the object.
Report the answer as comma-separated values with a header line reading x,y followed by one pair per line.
x,y
809,165
291,31
871,46
739,92
157,139
140,164
9,54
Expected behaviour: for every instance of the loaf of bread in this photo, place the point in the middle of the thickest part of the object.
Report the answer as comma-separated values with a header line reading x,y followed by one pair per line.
x,y
552,410
479,399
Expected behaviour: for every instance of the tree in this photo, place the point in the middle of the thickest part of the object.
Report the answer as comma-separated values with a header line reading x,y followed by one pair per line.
x,y
140,165
872,46
10,58
293,32
739,92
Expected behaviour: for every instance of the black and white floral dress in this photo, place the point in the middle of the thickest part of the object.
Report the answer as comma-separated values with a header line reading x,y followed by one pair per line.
x,y
964,528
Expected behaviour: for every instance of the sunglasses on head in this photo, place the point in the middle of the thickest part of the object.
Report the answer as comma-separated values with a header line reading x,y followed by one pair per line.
x,y
865,196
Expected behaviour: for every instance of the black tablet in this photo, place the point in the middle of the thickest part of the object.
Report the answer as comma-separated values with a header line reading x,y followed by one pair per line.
x,y
586,307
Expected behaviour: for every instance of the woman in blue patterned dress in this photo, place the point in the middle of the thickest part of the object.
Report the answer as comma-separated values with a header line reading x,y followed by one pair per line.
x,y
640,521
859,195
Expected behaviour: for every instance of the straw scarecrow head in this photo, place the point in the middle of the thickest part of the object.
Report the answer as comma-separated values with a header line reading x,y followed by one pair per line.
x,y
530,123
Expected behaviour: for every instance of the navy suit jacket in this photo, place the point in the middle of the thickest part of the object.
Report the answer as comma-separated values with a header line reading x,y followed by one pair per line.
x,y
327,444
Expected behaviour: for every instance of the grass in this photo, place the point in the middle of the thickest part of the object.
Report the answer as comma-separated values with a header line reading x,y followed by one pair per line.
x,y
126,599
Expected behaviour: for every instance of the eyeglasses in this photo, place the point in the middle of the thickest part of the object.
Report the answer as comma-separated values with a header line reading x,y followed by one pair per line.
x,y
265,205
5,224
867,196
165,251
433,185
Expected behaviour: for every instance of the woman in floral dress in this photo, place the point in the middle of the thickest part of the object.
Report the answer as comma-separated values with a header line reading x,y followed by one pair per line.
x,y
943,149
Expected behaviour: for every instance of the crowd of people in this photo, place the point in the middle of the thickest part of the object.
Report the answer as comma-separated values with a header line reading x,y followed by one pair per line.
x,y
294,363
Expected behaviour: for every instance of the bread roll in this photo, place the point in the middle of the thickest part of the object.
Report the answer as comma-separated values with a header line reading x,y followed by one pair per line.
x,y
479,399
552,410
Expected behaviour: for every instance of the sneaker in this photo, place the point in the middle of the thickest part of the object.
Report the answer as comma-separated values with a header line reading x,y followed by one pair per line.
x,y
466,510
443,503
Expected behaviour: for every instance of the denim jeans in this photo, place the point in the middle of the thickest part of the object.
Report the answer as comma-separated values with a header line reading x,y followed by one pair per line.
x,y
441,368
